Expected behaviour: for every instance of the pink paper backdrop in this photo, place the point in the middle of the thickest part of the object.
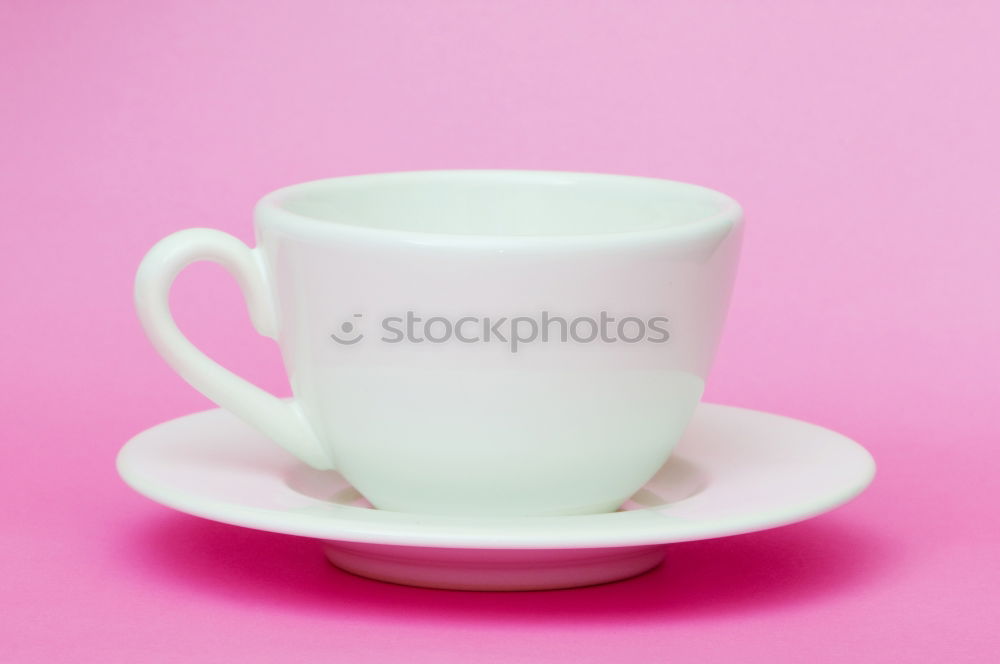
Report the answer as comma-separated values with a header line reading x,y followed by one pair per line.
x,y
861,138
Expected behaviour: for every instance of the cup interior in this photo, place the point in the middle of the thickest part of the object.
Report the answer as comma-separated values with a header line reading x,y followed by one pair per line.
x,y
502,203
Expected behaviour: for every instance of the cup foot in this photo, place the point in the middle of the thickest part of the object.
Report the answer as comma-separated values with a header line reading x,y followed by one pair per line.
x,y
492,569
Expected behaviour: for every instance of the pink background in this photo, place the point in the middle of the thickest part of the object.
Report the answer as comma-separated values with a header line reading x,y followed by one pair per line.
x,y
861,138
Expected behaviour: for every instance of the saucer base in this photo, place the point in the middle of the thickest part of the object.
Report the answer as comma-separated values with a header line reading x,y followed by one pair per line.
x,y
735,471
492,569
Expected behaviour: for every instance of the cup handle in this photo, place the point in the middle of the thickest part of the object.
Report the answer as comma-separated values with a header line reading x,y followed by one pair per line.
x,y
279,419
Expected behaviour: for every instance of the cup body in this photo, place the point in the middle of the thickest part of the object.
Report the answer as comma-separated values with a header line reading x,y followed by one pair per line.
x,y
498,342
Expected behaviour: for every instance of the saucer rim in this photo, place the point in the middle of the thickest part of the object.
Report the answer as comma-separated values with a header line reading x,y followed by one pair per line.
x,y
650,527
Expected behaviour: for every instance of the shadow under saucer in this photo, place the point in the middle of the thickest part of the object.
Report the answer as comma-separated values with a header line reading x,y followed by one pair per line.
x,y
784,566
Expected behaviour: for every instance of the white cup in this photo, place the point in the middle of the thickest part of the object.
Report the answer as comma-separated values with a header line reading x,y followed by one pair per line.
x,y
472,342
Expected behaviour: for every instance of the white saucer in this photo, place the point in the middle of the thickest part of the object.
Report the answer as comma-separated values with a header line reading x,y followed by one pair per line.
x,y
735,471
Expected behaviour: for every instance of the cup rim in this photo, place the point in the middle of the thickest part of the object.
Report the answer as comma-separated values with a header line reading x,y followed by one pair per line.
x,y
270,211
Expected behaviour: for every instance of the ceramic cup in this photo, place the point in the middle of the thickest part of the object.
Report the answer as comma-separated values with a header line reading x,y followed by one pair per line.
x,y
472,342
